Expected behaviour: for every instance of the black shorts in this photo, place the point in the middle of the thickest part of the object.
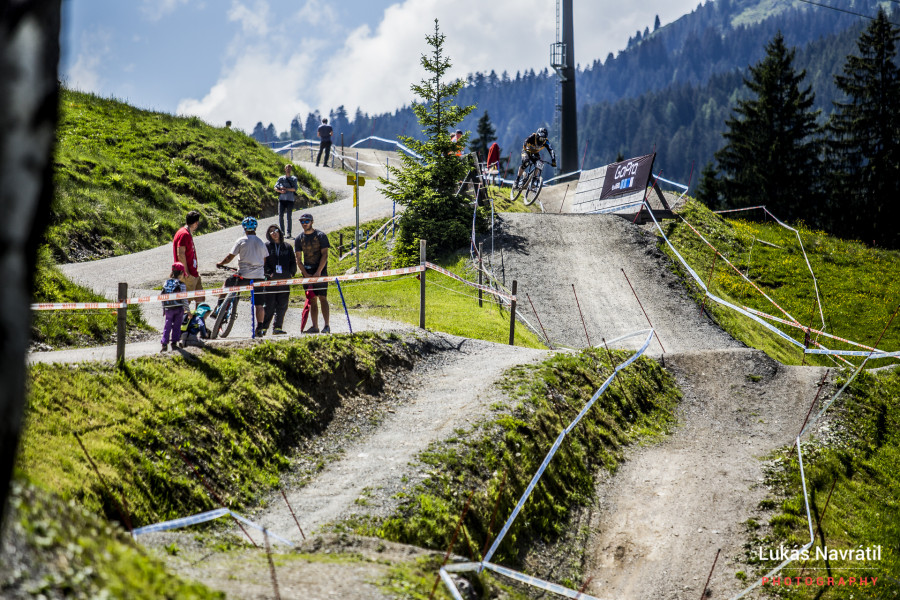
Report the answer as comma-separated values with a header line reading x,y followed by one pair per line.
x,y
233,281
320,289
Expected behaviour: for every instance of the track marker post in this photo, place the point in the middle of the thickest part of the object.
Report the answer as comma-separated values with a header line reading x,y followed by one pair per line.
x,y
121,323
290,508
512,314
452,541
578,304
480,273
271,566
644,311
706,587
549,343
422,256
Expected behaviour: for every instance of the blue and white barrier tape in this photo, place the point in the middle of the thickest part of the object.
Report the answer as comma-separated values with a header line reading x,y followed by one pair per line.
x,y
538,583
556,445
202,518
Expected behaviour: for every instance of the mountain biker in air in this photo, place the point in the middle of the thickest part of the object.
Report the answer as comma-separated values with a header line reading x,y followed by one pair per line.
x,y
531,151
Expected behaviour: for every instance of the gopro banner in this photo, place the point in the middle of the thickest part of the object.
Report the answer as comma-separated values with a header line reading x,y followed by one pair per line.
x,y
628,176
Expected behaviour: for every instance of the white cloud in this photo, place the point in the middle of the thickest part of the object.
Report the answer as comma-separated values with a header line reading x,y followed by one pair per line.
x,y
318,13
254,21
85,72
155,10
257,87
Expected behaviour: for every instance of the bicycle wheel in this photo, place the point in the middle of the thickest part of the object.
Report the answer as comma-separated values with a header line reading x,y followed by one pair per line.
x,y
226,317
534,188
514,192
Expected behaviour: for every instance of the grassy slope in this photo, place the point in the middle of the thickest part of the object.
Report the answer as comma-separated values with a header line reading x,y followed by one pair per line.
x,y
860,458
514,443
233,413
857,298
126,177
76,327
63,551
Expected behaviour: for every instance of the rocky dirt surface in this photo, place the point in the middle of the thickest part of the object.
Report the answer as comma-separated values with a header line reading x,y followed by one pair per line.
x,y
549,253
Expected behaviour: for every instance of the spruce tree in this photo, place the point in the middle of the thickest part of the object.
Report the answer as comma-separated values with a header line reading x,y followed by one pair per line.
x,y
709,190
487,135
429,187
771,152
863,151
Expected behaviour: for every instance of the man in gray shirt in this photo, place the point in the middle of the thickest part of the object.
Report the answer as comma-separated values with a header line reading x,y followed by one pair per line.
x,y
286,186
252,255
324,134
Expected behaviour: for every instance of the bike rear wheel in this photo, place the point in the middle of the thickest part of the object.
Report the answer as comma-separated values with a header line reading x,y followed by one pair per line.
x,y
533,189
226,318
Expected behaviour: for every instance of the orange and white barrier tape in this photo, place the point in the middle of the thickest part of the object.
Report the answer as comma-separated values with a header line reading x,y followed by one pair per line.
x,y
354,277
77,305
484,288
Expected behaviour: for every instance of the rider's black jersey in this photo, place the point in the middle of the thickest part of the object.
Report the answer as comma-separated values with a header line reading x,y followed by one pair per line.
x,y
534,146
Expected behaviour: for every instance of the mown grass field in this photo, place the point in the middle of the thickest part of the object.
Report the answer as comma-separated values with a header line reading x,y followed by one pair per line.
x,y
451,306
851,470
126,177
857,291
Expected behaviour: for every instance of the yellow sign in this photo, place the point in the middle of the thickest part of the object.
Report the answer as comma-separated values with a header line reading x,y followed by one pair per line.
x,y
355,198
351,180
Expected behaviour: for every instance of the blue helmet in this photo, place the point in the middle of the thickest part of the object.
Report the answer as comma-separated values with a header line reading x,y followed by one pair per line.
x,y
249,223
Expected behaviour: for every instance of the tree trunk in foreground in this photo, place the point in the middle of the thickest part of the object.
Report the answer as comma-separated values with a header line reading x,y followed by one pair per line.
x,y
29,96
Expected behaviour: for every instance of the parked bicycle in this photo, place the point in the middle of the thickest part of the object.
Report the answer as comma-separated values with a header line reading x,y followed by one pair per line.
x,y
532,183
226,312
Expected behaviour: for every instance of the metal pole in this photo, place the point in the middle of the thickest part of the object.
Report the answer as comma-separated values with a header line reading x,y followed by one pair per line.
x,y
480,274
512,314
422,285
121,324
356,197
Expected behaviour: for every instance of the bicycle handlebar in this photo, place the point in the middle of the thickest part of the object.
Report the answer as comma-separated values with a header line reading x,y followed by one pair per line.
x,y
225,268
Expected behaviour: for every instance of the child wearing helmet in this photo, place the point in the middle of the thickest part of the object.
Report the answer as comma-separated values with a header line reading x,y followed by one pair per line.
x,y
173,309
194,331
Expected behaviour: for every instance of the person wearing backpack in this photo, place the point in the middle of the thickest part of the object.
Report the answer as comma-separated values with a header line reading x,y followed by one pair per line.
x,y
281,263
173,310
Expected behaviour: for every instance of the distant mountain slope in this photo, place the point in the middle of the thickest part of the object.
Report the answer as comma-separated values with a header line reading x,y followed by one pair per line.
x,y
125,177
670,89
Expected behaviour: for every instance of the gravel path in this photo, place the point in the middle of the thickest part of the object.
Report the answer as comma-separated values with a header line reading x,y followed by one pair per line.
x,y
548,253
672,505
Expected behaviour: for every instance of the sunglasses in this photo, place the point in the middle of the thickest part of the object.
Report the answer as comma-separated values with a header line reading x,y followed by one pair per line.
x,y
305,221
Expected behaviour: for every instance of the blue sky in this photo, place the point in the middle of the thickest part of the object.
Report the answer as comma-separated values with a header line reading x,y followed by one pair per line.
x,y
268,60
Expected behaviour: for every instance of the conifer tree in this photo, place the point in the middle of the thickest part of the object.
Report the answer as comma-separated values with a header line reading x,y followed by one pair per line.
x,y
709,190
771,152
863,151
428,188
487,135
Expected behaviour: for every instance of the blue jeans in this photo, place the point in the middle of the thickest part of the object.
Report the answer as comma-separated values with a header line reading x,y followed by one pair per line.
x,y
285,207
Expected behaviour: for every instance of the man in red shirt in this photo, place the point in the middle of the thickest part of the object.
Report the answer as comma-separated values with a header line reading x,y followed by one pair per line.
x,y
185,253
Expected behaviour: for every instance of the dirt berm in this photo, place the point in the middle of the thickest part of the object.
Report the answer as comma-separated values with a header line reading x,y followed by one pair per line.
x,y
547,253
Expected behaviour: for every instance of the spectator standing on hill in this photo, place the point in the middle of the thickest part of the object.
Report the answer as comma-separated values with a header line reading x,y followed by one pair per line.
x,y
312,258
252,255
281,263
324,134
185,253
173,310
286,186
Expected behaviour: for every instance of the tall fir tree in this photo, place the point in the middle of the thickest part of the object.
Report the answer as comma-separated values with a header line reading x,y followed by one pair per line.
x,y
708,191
487,135
863,151
429,188
771,154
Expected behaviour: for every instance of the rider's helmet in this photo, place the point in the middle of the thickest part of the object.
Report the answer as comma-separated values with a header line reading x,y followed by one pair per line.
x,y
249,224
542,133
203,309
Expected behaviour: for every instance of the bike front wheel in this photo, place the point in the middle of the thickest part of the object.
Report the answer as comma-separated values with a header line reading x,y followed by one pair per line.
x,y
226,318
533,189
514,192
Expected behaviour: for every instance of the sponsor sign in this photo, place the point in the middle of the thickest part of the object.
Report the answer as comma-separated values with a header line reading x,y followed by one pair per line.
x,y
628,176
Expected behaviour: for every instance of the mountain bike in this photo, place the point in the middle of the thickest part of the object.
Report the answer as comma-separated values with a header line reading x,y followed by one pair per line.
x,y
532,183
226,310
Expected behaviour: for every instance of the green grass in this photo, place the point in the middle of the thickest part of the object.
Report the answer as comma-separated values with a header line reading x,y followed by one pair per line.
x,y
860,462
233,413
73,327
125,178
63,551
857,297
513,443
450,306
